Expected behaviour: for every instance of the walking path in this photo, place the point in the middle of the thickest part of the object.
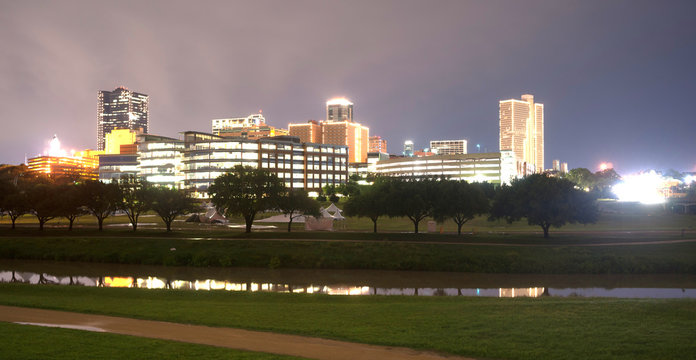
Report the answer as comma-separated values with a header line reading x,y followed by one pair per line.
x,y
302,346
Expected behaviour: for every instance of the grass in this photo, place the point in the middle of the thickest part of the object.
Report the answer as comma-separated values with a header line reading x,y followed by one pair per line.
x,y
375,252
33,342
544,328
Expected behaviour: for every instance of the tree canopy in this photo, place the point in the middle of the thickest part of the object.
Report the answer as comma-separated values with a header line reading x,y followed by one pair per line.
x,y
370,201
545,201
297,203
245,191
460,201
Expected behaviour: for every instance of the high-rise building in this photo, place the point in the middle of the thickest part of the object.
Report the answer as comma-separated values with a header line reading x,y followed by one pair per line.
x,y
448,147
338,129
121,109
408,148
339,109
522,130
377,145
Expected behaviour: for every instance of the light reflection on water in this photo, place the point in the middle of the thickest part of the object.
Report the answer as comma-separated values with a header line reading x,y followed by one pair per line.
x,y
153,282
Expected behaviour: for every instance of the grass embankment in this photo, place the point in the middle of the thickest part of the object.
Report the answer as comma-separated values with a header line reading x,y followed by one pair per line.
x,y
559,257
545,328
32,342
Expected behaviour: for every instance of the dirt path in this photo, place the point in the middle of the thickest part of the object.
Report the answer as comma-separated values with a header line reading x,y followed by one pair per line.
x,y
308,347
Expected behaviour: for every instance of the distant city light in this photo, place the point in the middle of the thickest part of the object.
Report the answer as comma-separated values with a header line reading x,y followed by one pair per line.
x,y
644,188
605,165
54,148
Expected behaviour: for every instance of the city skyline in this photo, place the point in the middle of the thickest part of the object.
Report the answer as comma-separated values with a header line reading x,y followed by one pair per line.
x,y
605,72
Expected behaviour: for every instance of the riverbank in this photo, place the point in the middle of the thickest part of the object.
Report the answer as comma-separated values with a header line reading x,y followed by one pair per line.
x,y
545,328
572,253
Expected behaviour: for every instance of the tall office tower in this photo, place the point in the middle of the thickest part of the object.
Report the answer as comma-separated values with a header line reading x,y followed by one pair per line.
x,y
408,148
351,134
339,109
377,144
121,109
522,130
448,147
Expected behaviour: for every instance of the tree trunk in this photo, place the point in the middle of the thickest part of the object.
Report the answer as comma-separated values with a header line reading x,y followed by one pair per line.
x,y
101,222
546,230
13,221
290,223
415,226
374,225
168,222
459,228
71,219
248,220
41,224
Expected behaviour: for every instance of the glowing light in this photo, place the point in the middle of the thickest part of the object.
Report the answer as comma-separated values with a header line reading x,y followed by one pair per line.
x,y
54,148
339,101
606,165
644,188
689,179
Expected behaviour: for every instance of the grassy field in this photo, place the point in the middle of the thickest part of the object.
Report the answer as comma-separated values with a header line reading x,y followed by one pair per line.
x,y
33,342
555,258
522,328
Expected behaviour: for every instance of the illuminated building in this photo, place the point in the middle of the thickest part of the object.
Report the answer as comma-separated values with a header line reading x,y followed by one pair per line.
x,y
347,133
117,166
339,109
121,141
496,168
522,130
377,144
251,127
160,160
338,129
121,109
197,160
63,166
448,147
309,132
408,148
564,167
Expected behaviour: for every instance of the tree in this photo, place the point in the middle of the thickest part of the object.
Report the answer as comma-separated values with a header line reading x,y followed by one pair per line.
x,y
70,203
371,202
134,201
582,177
15,203
460,201
42,197
413,198
297,203
245,191
170,203
605,181
100,199
545,201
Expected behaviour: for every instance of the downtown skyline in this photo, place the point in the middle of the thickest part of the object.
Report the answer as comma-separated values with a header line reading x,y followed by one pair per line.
x,y
615,77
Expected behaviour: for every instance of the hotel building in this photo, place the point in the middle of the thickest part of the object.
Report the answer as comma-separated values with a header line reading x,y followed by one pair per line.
x,y
121,109
78,167
338,129
448,147
522,130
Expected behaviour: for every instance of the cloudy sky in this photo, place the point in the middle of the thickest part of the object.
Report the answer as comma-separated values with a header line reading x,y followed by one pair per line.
x,y
617,78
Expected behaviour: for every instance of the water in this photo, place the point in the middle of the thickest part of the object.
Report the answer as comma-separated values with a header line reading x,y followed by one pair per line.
x,y
348,282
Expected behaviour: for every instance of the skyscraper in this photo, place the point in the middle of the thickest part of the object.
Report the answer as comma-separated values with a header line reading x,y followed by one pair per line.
x,y
121,109
339,109
522,130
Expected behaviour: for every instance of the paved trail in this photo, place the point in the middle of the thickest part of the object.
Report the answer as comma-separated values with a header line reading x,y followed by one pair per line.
x,y
308,347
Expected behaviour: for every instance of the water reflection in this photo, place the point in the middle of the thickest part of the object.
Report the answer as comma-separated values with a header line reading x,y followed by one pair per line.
x,y
154,282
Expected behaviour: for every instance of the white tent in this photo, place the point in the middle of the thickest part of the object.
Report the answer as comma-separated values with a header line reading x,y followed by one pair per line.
x,y
334,209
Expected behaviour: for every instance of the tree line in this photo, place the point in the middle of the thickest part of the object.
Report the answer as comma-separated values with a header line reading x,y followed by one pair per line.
x,y
49,198
543,200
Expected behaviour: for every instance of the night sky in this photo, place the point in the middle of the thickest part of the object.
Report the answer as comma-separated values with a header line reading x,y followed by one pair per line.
x,y
617,78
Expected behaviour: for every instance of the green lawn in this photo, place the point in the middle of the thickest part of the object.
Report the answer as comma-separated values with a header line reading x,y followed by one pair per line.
x,y
34,342
522,328
554,256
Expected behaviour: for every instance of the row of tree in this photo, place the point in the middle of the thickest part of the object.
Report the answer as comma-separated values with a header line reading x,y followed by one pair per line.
x,y
543,200
48,199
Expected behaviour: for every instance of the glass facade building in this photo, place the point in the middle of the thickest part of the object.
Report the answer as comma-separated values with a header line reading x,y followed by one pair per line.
x,y
121,109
